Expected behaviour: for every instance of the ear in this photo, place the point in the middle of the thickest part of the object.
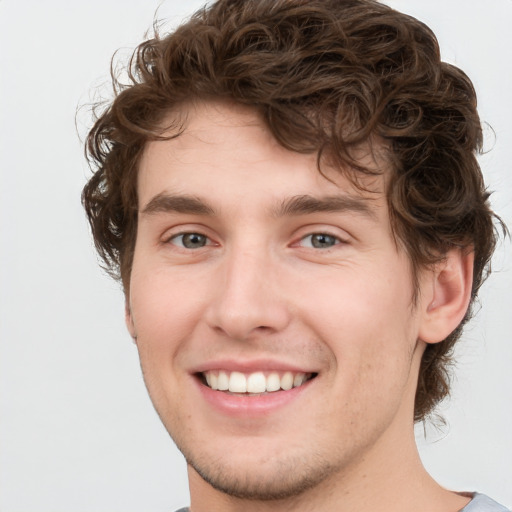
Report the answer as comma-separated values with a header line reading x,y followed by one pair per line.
x,y
128,318
446,293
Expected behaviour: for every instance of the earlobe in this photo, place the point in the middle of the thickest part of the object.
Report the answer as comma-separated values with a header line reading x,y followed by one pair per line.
x,y
447,303
128,318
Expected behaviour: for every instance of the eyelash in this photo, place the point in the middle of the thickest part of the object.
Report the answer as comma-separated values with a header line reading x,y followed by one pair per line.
x,y
204,238
173,239
335,239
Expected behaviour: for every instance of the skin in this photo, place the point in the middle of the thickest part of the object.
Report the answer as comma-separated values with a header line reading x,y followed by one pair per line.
x,y
260,293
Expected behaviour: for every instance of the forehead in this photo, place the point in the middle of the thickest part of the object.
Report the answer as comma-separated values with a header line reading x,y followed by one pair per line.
x,y
215,146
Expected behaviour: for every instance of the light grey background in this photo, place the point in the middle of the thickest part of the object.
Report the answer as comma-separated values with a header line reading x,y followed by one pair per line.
x,y
77,431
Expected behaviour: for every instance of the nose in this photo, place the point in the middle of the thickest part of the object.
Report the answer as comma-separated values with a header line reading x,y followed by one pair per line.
x,y
249,299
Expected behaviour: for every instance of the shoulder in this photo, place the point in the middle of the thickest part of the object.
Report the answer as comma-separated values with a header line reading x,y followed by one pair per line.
x,y
482,503
184,509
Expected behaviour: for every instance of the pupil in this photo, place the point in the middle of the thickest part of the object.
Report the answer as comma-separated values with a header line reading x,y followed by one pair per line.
x,y
322,240
194,240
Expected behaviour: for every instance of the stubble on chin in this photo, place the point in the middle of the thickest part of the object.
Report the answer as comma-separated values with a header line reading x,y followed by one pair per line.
x,y
278,479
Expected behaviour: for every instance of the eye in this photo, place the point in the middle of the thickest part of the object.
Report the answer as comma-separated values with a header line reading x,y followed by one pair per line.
x,y
190,240
320,241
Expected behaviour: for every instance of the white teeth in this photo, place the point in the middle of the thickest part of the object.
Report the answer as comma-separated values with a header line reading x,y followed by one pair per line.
x,y
254,383
237,382
223,381
214,381
287,381
298,379
273,382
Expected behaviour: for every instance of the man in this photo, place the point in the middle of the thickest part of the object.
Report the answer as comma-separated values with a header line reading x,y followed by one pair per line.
x,y
289,192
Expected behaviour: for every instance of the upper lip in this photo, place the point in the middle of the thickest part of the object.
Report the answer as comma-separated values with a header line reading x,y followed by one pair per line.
x,y
251,365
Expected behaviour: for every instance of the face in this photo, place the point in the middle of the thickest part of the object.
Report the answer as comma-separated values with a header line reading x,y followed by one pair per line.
x,y
272,309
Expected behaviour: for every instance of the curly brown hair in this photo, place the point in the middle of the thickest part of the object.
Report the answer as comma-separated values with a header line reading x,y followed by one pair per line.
x,y
326,76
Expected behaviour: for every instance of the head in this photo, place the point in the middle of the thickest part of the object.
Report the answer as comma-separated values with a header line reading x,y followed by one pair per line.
x,y
328,79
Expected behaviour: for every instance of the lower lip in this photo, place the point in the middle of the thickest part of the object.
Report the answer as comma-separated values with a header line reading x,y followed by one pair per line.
x,y
251,406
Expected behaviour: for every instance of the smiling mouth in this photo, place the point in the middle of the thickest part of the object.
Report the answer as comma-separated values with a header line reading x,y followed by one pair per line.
x,y
255,383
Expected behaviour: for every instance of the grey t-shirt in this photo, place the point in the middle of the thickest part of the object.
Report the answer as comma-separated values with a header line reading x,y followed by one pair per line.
x,y
482,503
479,503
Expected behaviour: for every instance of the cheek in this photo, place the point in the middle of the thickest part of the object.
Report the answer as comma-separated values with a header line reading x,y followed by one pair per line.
x,y
165,310
164,315
164,304
358,300
367,321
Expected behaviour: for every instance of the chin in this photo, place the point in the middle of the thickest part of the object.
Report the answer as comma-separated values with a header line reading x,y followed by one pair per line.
x,y
269,480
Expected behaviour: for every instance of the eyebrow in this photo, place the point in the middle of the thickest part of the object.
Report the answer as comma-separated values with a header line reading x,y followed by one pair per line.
x,y
306,204
293,206
169,203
